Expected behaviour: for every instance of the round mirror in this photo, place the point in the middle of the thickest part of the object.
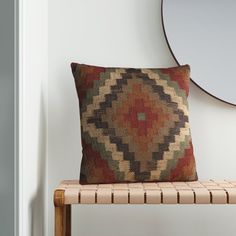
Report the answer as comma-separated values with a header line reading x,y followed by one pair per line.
x,y
203,35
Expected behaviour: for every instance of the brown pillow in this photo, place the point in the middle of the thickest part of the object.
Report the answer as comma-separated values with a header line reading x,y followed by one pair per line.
x,y
134,124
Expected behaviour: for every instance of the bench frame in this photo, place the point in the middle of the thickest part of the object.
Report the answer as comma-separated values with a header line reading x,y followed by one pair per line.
x,y
197,192
62,215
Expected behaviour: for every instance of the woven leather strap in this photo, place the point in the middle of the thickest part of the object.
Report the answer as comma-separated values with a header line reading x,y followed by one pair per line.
x,y
197,192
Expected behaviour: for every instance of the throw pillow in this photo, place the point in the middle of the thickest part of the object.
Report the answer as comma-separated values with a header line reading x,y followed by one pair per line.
x,y
134,124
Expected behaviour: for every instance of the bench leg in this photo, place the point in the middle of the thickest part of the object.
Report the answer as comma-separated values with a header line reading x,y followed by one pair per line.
x,y
68,220
63,220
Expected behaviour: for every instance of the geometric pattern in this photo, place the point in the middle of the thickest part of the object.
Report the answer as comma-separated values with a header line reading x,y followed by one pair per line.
x,y
134,124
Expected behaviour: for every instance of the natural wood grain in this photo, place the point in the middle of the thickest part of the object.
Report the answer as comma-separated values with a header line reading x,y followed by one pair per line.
x,y
59,197
60,221
62,214
68,220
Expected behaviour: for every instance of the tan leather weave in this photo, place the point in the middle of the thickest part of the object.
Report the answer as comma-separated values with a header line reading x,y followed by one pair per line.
x,y
196,192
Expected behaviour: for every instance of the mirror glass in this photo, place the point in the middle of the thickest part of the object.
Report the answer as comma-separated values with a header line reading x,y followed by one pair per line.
x,y
203,34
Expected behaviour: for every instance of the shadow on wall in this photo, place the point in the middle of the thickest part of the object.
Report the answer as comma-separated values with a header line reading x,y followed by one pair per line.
x,y
37,204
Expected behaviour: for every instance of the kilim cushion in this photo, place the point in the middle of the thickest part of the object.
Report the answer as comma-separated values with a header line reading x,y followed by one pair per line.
x,y
134,124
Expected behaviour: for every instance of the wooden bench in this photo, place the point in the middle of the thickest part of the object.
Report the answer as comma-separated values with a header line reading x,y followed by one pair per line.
x,y
198,192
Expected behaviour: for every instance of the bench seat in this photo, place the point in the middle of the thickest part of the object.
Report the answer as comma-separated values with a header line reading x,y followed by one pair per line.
x,y
196,192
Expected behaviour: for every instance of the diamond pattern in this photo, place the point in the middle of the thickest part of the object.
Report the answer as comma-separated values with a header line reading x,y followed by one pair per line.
x,y
134,124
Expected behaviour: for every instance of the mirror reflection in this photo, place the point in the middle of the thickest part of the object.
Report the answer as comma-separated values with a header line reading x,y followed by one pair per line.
x,y
203,34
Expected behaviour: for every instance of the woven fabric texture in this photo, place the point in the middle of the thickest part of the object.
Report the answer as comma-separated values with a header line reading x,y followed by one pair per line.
x,y
191,192
134,124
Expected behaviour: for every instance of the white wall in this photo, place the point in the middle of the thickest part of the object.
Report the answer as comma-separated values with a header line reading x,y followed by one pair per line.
x,y
128,33
33,74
